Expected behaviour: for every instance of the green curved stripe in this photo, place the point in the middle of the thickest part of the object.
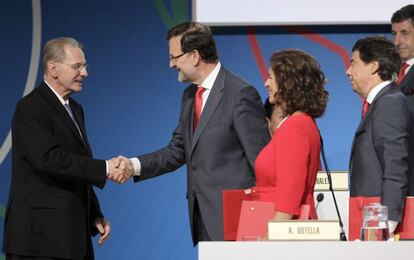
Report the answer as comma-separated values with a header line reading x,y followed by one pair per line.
x,y
179,12
2,212
2,257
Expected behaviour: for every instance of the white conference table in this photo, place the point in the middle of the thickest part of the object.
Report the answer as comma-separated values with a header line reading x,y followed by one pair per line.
x,y
309,250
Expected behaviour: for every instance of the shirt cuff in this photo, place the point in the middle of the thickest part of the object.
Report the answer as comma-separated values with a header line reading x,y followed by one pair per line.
x,y
137,166
107,168
392,225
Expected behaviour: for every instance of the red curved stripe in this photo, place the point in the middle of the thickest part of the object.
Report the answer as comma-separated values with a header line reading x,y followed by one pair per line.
x,y
257,53
342,52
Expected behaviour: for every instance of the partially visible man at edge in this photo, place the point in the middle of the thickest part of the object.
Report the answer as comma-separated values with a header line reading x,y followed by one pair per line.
x,y
402,25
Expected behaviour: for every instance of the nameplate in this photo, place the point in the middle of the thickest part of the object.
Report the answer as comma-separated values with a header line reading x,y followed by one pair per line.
x,y
339,181
304,230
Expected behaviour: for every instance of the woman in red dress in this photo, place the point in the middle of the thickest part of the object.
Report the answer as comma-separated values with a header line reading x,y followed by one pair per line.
x,y
286,168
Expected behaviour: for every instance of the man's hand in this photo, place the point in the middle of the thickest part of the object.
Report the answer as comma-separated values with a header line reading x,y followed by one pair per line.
x,y
120,169
104,228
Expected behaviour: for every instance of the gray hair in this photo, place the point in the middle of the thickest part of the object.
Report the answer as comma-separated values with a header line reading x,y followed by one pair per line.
x,y
54,49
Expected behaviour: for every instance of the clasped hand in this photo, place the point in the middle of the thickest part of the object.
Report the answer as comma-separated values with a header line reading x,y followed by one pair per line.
x,y
120,169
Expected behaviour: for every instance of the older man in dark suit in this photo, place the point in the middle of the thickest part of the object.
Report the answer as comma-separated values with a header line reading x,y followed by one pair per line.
x,y
52,209
380,155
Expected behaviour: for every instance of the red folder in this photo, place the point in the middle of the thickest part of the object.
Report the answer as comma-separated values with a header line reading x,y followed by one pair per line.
x,y
254,217
405,229
356,205
232,203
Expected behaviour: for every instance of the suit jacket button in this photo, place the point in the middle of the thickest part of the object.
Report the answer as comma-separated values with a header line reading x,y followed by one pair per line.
x,y
193,168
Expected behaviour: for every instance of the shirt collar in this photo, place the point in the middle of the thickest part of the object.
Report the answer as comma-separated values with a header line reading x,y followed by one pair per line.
x,y
209,81
410,62
57,95
374,92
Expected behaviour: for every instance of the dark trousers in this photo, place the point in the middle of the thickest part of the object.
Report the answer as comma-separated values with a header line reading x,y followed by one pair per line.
x,y
89,256
199,229
18,257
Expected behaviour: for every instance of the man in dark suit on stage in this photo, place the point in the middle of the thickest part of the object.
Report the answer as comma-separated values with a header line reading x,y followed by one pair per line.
x,y
52,209
402,24
221,129
380,156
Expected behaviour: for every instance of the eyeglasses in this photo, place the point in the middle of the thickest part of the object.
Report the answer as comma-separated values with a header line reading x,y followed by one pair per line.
x,y
175,58
76,66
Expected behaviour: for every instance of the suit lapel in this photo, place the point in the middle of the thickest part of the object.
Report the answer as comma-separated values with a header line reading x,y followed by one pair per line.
x,y
61,112
367,116
77,113
212,102
409,77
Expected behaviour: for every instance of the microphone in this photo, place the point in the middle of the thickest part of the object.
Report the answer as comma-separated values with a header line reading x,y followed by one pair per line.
x,y
342,235
319,199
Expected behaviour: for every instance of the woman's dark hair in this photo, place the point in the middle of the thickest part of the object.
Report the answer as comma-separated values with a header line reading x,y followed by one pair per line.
x,y
300,82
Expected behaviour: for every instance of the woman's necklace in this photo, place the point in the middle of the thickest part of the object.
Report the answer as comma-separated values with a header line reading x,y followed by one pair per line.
x,y
281,122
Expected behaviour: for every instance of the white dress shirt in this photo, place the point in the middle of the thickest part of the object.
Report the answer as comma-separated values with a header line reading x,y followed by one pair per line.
x,y
375,90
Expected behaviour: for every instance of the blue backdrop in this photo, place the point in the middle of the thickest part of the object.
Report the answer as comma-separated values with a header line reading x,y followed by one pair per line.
x,y
132,99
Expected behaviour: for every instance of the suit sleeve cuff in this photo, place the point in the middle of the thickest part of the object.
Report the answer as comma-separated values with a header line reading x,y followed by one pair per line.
x,y
137,166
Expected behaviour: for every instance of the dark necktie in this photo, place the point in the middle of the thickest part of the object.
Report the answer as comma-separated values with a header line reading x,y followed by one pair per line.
x,y
198,103
67,107
365,107
401,74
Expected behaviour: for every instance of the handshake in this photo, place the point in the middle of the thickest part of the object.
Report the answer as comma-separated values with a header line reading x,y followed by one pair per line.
x,y
120,169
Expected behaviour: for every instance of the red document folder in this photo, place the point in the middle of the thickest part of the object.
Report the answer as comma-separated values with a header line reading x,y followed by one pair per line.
x,y
405,229
232,203
255,215
356,205
253,219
